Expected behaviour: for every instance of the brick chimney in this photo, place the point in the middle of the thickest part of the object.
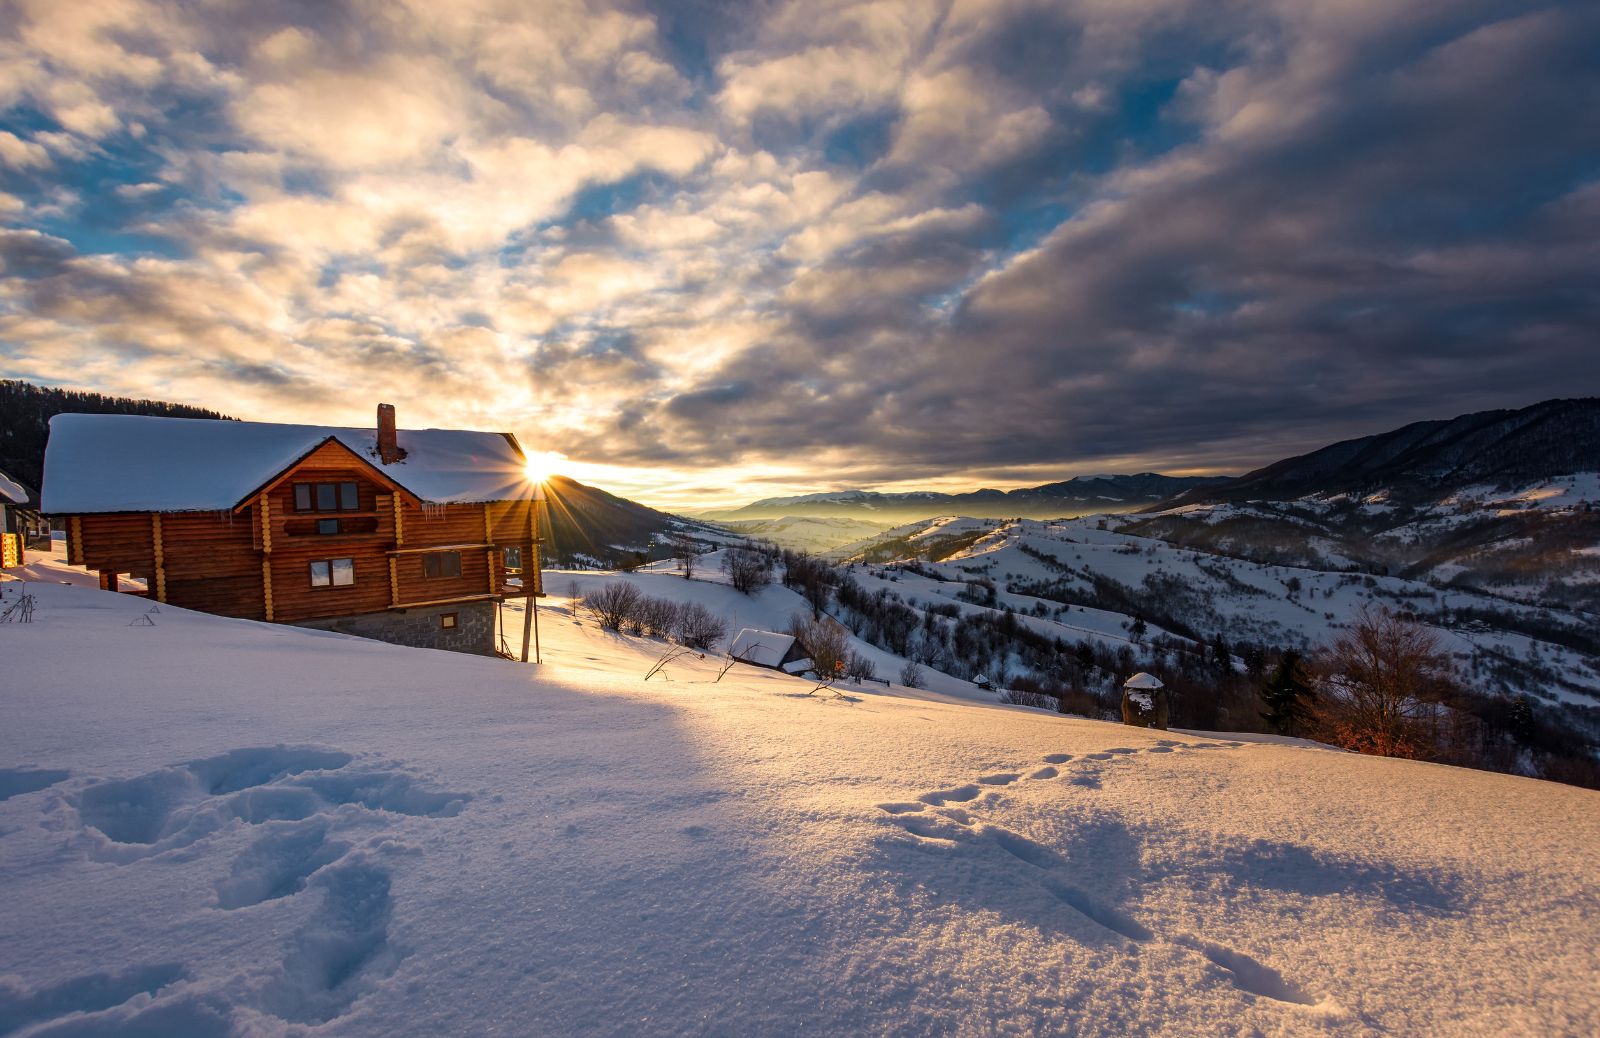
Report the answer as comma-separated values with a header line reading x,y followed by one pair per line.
x,y
389,450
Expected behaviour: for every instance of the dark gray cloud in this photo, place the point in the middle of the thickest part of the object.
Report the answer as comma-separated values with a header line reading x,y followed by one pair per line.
x,y
888,242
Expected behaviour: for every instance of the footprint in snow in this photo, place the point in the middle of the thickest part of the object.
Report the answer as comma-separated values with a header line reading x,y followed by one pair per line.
x,y
1003,779
15,782
958,795
1045,773
88,994
342,952
1057,758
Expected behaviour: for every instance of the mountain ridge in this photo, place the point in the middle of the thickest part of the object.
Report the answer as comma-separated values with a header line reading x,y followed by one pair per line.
x,y
1502,447
1076,496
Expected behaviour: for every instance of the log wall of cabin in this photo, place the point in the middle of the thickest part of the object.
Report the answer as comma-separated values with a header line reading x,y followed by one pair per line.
x,y
442,526
210,562
256,562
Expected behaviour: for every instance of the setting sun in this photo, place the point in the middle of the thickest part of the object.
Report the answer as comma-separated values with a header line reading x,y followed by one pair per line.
x,y
540,467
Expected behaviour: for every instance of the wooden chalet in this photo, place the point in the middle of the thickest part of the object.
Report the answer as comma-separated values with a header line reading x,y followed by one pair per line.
x,y
409,536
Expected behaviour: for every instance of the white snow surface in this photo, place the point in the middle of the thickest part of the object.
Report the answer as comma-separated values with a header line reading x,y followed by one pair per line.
x,y
132,463
213,827
11,491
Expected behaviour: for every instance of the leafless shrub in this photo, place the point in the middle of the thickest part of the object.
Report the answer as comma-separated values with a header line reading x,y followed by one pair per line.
x,y
659,616
698,627
859,668
614,605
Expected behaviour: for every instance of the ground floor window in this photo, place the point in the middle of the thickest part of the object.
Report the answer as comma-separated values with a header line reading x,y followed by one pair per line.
x,y
333,572
447,621
441,564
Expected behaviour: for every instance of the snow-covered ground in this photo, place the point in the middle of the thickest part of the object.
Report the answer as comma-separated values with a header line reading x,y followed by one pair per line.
x,y
211,826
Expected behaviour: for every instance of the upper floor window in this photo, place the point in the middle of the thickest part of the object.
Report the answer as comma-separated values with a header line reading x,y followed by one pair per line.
x,y
327,497
441,564
511,558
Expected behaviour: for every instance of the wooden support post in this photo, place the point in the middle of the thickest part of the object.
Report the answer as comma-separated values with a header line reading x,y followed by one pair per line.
x,y
399,522
530,614
488,538
394,582
266,586
161,567
108,580
75,541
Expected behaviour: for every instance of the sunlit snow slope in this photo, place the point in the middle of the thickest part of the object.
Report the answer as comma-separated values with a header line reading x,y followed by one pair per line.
x,y
213,827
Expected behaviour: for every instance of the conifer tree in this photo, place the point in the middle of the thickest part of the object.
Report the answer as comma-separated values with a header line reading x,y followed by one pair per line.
x,y
1288,696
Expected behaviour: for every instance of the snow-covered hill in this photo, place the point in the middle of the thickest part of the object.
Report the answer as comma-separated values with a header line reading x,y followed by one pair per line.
x,y
219,827
1037,568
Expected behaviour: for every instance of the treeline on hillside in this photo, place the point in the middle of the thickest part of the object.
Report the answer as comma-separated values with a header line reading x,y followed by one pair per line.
x,y
26,410
1384,687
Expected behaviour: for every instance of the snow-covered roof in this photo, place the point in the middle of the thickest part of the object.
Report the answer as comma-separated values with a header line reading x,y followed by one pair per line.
x,y
763,648
12,492
131,463
1143,680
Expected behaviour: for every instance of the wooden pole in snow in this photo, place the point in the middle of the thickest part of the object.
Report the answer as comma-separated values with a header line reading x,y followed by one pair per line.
x,y
530,578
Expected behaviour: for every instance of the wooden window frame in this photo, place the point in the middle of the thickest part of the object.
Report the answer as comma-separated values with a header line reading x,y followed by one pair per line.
x,y
311,570
314,490
429,557
449,622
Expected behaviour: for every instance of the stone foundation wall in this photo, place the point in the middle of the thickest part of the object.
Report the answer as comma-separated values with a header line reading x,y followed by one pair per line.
x,y
421,628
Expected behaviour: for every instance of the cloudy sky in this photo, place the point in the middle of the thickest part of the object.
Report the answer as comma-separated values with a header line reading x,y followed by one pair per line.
x,y
714,251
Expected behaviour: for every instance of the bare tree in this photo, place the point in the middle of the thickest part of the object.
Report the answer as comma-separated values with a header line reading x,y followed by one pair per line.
x,y
911,675
687,553
1381,674
824,639
748,569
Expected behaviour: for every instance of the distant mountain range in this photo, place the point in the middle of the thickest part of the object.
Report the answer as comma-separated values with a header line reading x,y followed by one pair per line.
x,y
1506,502
1080,495
1425,460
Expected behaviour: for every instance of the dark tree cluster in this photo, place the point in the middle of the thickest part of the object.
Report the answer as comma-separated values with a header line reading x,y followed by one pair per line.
x,y
26,410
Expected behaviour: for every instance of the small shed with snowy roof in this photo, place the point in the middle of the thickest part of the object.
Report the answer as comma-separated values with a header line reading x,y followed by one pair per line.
x,y
771,650
19,520
1144,701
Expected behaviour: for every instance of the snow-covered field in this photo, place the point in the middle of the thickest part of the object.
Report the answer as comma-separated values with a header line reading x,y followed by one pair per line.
x,y
213,827
815,534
